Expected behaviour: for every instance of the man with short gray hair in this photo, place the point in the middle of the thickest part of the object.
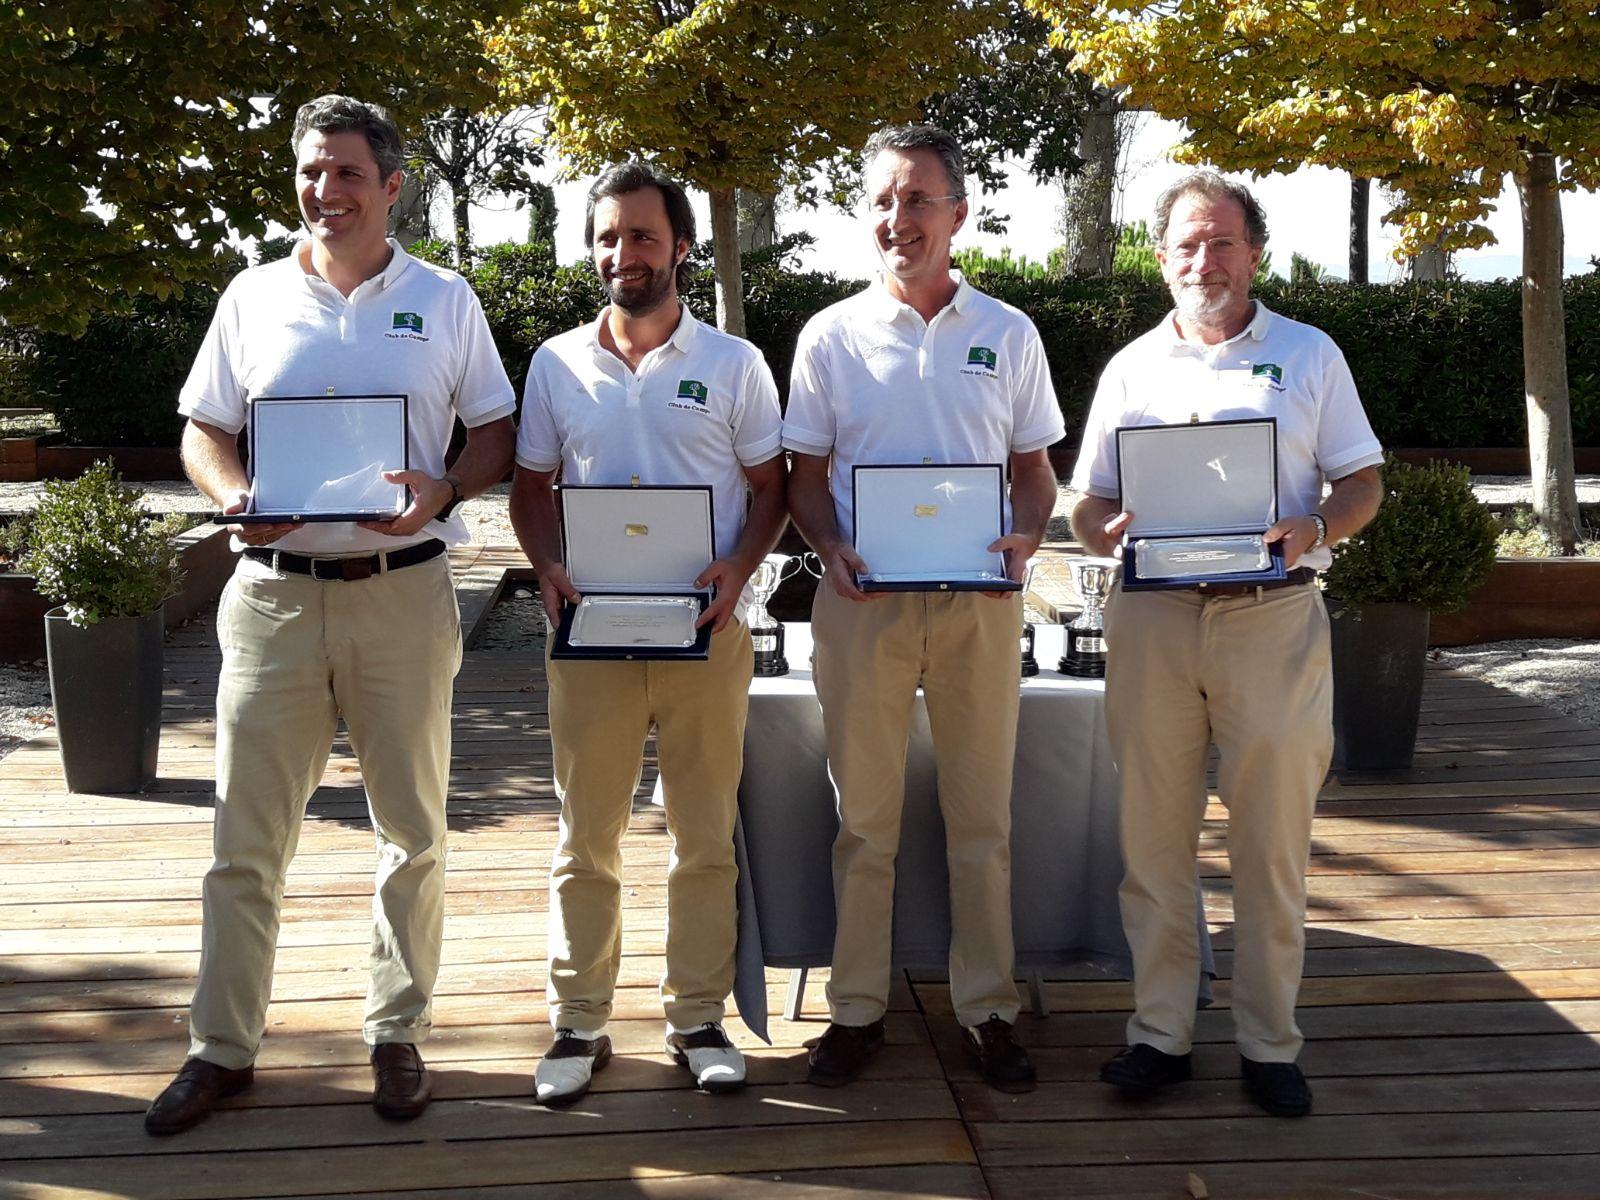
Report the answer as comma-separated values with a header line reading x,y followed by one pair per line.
x,y
336,619
1244,665
919,368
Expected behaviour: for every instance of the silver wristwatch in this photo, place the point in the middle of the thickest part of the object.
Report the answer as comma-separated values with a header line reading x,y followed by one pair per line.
x,y
1321,523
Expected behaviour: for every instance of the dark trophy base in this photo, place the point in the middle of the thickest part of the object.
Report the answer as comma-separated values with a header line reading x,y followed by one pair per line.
x,y
768,643
1030,664
1086,654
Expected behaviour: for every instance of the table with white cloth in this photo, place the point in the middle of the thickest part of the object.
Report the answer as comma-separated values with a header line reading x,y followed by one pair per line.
x,y
1066,861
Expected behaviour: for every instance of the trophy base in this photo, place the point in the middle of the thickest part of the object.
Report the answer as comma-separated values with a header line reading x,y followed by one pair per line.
x,y
772,667
1030,668
1080,669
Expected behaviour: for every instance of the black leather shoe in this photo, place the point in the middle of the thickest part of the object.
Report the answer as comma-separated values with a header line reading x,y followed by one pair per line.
x,y
1278,1087
842,1051
193,1093
1003,1062
1141,1069
400,1085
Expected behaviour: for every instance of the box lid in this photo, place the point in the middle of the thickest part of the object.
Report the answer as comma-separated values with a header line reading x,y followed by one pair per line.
x,y
321,454
1205,477
929,519
646,539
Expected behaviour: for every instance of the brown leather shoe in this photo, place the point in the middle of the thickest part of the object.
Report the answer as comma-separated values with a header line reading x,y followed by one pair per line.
x,y
400,1086
193,1092
1003,1062
842,1051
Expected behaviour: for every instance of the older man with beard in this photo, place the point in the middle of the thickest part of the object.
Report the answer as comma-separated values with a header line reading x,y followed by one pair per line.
x,y
1244,665
647,394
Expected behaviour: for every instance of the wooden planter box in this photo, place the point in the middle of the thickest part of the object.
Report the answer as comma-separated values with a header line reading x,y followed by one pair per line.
x,y
28,459
1527,598
207,562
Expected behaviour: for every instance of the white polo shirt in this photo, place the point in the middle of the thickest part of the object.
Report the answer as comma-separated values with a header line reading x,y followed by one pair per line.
x,y
875,383
1276,367
701,407
414,328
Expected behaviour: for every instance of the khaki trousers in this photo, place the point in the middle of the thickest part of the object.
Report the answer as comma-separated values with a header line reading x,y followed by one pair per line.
x,y
868,659
297,654
600,715
1253,674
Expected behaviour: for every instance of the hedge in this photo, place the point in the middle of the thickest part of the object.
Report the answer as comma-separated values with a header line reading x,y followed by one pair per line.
x,y
1437,364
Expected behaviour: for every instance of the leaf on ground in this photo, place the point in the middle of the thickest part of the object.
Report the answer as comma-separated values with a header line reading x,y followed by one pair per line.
x,y
1197,1187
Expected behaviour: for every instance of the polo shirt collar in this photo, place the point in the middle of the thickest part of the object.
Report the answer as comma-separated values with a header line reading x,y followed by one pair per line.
x,y
1256,331
682,337
887,308
399,260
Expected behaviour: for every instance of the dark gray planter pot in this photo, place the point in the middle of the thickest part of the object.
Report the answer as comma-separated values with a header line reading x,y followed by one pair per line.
x,y
105,682
1379,653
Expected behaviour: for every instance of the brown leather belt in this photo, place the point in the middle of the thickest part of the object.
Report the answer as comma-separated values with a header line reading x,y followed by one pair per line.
x,y
357,567
1293,579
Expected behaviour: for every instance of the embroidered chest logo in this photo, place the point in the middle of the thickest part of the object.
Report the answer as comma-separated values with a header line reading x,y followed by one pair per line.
x,y
981,361
692,396
406,326
1270,374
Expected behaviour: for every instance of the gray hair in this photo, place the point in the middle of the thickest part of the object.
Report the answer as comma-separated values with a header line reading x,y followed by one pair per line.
x,y
1214,186
923,137
341,114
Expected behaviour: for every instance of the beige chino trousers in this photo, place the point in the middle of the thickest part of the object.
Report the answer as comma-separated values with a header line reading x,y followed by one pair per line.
x,y
1253,674
600,715
868,659
297,654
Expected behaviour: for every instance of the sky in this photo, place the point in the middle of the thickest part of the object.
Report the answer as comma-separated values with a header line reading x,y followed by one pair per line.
x,y
1307,212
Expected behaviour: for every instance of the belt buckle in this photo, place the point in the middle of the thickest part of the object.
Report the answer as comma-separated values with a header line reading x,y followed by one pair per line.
x,y
355,568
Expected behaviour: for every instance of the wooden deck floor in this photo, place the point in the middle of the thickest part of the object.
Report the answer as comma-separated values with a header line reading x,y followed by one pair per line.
x,y
1452,1002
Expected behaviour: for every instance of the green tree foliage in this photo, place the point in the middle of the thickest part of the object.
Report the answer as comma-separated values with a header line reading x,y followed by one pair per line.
x,y
135,138
467,155
1438,99
731,94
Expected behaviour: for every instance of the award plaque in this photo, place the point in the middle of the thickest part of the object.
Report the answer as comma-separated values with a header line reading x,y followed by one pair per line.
x,y
928,527
1202,496
634,553
322,458
1093,579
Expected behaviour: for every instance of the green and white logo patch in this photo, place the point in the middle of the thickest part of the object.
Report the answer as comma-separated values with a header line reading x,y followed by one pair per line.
x,y
1270,371
407,320
982,356
692,389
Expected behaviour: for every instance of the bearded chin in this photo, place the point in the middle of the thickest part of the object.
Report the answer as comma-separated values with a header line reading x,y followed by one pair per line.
x,y
641,299
1201,305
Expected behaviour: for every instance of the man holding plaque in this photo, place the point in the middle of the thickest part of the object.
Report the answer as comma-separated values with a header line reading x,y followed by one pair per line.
x,y
1243,664
919,368
649,396
336,619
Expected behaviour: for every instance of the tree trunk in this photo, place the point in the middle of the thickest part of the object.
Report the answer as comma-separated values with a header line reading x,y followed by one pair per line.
x,y
725,254
758,220
408,219
1544,353
1429,266
1360,206
460,194
1086,210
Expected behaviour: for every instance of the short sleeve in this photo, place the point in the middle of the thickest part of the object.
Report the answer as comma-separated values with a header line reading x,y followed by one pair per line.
x,y
538,440
1345,441
809,423
212,392
483,391
757,425
1096,468
1036,416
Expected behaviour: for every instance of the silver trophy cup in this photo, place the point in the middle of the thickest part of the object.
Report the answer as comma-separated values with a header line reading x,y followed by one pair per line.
x,y
766,633
1092,579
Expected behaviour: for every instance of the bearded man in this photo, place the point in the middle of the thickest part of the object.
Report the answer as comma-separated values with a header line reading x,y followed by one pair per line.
x,y
1244,665
648,395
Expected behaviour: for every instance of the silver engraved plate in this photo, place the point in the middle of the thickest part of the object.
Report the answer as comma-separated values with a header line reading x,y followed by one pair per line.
x,y
660,622
1180,557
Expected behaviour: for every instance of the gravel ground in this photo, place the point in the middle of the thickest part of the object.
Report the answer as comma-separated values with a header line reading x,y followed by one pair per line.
x,y
1563,674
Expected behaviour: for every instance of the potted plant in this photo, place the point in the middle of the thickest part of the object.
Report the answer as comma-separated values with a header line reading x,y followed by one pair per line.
x,y
1430,546
109,566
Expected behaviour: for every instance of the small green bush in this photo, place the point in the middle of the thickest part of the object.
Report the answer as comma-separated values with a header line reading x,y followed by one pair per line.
x,y
1431,543
93,548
